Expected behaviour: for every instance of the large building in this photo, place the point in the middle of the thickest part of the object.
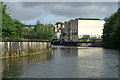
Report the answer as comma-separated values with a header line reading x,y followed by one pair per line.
x,y
83,27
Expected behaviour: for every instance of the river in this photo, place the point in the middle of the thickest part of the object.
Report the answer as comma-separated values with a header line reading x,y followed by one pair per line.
x,y
64,62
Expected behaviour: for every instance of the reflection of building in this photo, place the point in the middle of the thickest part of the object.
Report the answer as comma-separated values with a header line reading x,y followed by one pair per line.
x,y
59,31
78,28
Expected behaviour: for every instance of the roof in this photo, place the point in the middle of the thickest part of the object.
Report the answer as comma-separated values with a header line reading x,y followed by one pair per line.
x,y
87,19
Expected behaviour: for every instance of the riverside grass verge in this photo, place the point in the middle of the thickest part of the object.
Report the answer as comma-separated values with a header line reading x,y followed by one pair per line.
x,y
82,40
28,55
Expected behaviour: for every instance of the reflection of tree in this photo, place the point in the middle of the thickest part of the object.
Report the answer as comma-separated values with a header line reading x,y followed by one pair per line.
x,y
12,68
110,62
119,64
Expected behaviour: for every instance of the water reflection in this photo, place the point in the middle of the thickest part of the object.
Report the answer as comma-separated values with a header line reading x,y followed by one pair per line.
x,y
91,62
65,62
12,68
65,51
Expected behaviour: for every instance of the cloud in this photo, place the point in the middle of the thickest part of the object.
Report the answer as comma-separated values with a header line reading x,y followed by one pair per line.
x,y
54,11
60,0
21,12
84,9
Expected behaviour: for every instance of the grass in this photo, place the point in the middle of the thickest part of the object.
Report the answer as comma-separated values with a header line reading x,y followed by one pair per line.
x,y
83,40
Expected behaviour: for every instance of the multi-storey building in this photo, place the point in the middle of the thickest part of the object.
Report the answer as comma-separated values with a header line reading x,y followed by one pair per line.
x,y
71,30
81,27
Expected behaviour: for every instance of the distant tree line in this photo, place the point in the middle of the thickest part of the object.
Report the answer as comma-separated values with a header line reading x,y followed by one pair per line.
x,y
59,23
13,29
39,31
111,31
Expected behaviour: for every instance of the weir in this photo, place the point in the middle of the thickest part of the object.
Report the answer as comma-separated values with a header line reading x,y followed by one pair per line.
x,y
79,44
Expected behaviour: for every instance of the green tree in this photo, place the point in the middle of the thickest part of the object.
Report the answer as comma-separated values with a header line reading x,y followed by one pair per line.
x,y
0,20
111,31
11,28
44,32
59,23
8,27
19,27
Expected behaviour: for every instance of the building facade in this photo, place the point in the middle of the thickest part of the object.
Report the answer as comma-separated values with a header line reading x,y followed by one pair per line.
x,y
71,30
83,28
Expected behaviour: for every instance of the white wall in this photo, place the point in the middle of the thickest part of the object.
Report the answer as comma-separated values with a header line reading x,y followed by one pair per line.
x,y
90,27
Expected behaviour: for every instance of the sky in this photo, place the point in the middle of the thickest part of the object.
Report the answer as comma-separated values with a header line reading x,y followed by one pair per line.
x,y
52,12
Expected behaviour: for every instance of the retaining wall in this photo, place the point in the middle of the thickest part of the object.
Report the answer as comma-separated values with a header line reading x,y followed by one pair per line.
x,y
16,49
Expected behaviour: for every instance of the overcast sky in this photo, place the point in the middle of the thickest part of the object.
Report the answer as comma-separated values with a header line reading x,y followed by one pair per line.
x,y
51,12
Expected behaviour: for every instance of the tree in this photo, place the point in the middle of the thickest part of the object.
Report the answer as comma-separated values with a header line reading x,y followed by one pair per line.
x,y
59,23
111,31
13,29
10,27
44,32
38,22
0,20
19,27
86,37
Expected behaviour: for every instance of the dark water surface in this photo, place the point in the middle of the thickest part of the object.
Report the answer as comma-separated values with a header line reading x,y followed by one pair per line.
x,y
64,62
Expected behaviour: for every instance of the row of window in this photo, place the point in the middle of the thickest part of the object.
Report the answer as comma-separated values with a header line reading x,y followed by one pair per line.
x,y
73,24
74,38
74,31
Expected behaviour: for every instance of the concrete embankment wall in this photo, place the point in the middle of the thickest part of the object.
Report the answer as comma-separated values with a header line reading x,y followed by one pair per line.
x,y
16,49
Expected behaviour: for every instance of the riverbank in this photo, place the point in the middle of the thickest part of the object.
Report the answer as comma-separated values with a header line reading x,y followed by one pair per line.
x,y
19,49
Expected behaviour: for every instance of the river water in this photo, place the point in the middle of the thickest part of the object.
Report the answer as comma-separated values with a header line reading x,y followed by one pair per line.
x,y
64,62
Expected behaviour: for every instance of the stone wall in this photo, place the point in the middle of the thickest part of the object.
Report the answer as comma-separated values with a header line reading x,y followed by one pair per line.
x,y
16,49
